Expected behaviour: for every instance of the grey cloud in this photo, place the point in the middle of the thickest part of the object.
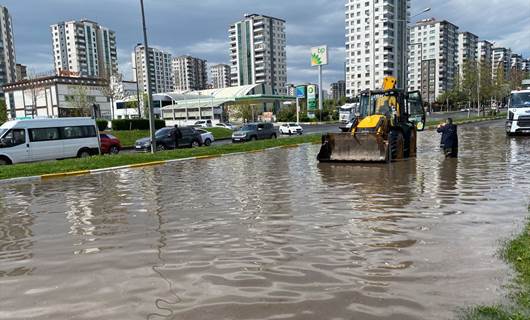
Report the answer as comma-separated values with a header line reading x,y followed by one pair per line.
x,y
200,27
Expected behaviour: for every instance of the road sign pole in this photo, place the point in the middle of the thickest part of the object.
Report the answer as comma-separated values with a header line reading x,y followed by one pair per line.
x,y
297,110
320,97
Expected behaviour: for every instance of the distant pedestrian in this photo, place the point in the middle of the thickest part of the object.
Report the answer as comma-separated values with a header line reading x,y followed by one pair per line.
x,y
449,142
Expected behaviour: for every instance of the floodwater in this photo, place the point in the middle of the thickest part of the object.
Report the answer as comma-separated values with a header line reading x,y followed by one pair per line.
x,y
271,235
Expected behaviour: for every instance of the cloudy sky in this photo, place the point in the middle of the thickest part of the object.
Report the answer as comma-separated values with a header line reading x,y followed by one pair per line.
x,y
200,27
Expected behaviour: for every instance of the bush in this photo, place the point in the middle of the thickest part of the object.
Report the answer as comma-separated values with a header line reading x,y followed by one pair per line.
x,y
102,124
135,124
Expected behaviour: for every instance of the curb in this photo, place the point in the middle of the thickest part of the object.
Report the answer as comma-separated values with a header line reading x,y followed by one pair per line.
x,y
51,176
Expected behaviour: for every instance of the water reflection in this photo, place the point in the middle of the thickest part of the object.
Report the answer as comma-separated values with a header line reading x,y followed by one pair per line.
x,y
267,235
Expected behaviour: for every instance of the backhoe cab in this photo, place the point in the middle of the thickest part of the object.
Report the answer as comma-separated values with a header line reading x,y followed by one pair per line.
x,y
386,130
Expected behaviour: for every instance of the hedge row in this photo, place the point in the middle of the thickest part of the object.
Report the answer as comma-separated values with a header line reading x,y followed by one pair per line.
x,y
135,124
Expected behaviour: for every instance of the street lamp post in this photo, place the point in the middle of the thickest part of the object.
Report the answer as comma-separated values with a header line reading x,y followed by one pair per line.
x,y
149,91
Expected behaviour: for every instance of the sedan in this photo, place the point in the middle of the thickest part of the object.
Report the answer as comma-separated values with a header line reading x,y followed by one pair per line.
x,y
109,144
291,128
206,137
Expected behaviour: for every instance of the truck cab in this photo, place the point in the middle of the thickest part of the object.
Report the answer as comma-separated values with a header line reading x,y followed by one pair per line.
x,y
518,118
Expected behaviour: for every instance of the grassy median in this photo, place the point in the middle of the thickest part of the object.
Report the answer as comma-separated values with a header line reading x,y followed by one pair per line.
x,y
107,161
433,123
128,138
516,253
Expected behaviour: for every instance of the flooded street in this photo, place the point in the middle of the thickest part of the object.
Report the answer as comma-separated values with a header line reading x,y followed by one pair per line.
x,y
271,235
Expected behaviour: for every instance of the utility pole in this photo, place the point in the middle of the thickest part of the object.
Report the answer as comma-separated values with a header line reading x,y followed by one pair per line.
x,y
149,91
478,89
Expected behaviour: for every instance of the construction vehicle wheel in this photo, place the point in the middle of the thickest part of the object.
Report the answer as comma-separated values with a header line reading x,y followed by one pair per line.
x,y
396,145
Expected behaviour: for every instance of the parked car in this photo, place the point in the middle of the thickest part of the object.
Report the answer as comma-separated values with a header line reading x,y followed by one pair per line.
x,y
226,126
109,144
171,138
291,128
206,137
47,139
203,123
254,131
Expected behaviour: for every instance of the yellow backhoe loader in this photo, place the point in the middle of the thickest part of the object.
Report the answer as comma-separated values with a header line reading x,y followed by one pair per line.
x,y
387,129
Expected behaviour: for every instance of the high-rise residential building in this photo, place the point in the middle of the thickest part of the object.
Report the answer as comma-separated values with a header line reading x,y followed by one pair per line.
x,y
290,89
220,76
517,62
160,69
433,57
376,41
22,72
189,73
7,45
467,50
258,52
526,65
484,52
84,48
338,90
501,59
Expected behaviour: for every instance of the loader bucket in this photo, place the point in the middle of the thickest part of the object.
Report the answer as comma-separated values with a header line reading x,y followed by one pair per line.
x,y
345,147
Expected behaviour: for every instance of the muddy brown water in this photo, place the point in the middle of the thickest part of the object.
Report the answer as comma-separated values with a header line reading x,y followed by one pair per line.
x,y
272,235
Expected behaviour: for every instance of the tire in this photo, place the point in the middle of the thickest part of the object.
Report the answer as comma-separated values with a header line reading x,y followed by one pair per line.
x,y
4,161
84,153
396,147
160,147
253,138
114,150
207,142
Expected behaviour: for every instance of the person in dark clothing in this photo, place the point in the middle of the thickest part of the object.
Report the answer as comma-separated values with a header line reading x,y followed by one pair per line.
x,y
449,138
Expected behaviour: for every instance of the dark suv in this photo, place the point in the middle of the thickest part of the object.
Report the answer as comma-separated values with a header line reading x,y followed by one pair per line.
x,y
171,138
254,131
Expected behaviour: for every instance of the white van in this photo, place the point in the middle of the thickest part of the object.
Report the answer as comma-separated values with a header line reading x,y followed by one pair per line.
x,y
48,139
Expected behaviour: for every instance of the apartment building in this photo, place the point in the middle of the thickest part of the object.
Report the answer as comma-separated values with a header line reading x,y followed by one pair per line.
x,y
467,50
258,52
484,52
220,76
21,72
376,38
189,73
7,43
160,73
517,62
338,90
433,57
501,59
84,48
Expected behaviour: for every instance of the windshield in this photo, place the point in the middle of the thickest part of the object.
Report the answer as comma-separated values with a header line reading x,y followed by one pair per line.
x,y
293,125
2,132
162,132
520,100
248,127
377,104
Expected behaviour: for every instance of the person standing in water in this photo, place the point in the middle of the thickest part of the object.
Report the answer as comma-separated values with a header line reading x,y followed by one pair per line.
x,y
449,142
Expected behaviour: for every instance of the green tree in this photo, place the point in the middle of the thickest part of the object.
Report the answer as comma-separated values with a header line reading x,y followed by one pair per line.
x,y
80,102
3,111
243,112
